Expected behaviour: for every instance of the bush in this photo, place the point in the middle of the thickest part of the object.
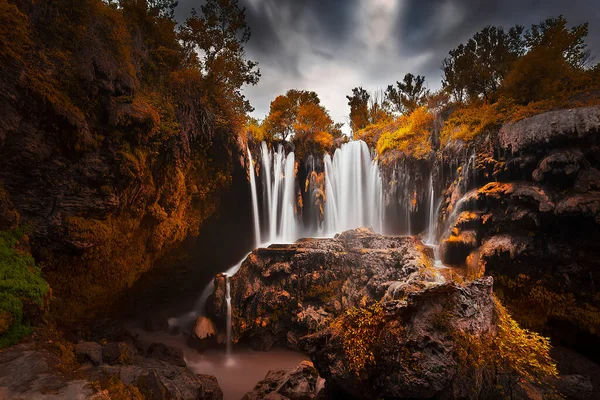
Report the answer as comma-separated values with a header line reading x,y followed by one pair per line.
x,y
21,283
512,353
411,137
359,329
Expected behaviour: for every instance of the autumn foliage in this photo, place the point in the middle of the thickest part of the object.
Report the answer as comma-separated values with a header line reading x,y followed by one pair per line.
x,y
160,104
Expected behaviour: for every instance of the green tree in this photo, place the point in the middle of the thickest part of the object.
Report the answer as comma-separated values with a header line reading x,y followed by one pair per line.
x,y
407,95
359,108
475,71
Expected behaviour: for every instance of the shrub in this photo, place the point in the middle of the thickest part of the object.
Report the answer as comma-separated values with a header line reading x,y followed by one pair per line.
x,y
513,353
359,329
411,137
21,283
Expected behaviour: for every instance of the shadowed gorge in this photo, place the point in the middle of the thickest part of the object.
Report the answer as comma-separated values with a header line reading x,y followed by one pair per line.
x,y
176,223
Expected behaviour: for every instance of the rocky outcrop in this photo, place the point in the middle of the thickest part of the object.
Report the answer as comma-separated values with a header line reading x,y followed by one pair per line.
x,y
552,129
377,319
108,176
286,291
414,350
299,383
29,373
157,372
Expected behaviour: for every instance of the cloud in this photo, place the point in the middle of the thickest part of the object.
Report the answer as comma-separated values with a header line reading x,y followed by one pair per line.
x,y
331,46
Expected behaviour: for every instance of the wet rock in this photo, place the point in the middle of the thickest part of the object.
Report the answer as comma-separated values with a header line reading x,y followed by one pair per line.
x,y
576,387
150,385
172,355
299,383
588,179
561,164
262,341
456,248
209,388
89,352
585,205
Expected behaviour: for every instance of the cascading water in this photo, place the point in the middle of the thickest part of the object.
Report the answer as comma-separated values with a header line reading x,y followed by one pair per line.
x,y
353,194
254,199
432,223
353,190
228,326
288,229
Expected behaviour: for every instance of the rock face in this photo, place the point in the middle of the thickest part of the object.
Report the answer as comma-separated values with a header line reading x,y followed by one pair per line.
x,y
27,373
286,291
551,129
528,214
92,166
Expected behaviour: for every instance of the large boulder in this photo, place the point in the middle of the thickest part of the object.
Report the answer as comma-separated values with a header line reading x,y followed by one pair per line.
x,y
412,350
300,287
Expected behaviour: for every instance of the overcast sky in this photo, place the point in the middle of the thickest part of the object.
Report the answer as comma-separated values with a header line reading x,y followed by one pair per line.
x,y
331,46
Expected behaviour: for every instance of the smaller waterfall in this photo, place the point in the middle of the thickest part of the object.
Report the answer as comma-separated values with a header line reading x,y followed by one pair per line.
x,y
252,172
228,327
288,213
431,229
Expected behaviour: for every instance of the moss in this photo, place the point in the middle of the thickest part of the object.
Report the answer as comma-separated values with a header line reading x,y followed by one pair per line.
x,y
117,390
21,283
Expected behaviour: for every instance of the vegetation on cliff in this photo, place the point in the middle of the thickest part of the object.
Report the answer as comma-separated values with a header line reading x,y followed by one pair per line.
x,y
131,128
496,77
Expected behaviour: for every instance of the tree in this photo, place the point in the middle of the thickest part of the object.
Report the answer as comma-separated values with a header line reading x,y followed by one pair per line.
x,y
284,110
407,95
163,8
313,130
359,108
475,71
213,43
555,36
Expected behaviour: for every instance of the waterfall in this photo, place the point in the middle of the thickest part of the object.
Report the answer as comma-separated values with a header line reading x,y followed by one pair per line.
x,y
252,171
431,226
288,228
353,194
353,190
228,327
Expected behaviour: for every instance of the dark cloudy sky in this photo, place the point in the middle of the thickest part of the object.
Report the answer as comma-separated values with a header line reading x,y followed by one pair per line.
x,y
331,46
